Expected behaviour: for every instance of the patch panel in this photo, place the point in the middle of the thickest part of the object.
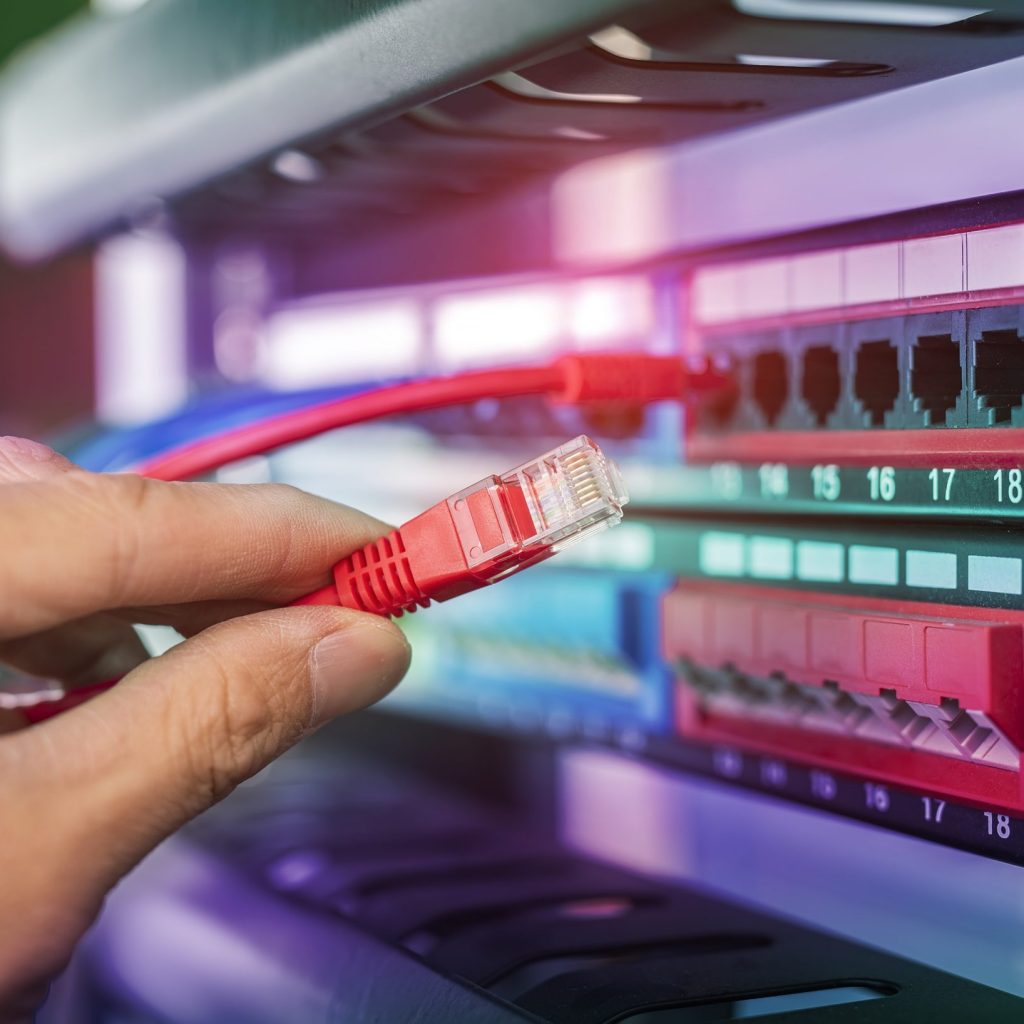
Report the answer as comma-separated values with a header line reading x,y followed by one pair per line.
x,y
878,380
918,694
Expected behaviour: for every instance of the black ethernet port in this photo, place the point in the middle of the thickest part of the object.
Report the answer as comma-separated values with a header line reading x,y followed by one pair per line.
x,y
936,376
820,382
999,373
770,384
876,379
720,408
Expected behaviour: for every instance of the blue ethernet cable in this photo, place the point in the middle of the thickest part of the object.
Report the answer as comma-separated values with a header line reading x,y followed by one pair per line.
x,y
118,448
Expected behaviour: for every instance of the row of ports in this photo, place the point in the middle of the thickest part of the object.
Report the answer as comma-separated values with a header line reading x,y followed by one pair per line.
x,y
913,693
946,729
951,369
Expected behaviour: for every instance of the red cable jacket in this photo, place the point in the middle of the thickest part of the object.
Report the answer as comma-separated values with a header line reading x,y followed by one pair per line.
x,y
325,595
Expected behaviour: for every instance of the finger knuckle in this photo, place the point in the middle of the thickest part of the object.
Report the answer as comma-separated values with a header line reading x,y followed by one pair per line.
x,y
290,508
115,506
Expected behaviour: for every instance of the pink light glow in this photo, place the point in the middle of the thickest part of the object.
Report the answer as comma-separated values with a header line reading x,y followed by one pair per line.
x,y
306,346
512,324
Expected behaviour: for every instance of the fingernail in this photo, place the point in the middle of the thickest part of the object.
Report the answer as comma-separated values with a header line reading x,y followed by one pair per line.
x,y
355,667
22,458
26,448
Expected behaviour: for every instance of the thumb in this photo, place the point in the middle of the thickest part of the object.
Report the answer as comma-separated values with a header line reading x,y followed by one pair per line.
x,y
192,724
118,774
216,709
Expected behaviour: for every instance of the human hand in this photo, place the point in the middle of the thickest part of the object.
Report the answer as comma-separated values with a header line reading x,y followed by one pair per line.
x,y
84,796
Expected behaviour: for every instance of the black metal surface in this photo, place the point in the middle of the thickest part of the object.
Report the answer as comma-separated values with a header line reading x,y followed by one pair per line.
x,y
117,113
189,97
498,910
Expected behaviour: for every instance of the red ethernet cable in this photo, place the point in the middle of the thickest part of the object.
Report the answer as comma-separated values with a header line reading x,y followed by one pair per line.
x,y
483,533
616,378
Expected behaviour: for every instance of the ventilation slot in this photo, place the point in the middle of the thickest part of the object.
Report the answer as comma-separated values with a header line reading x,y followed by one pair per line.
x,y
525,978
622,44
754,1007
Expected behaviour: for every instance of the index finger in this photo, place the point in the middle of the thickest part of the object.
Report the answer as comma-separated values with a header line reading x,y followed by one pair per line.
x,y
86,542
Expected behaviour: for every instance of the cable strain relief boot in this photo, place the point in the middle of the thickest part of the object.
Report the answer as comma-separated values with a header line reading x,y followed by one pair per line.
x,y
634,377
378,578
619,377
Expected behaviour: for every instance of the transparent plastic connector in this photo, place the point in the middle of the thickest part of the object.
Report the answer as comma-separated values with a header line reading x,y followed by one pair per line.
x,y
506,523
571,492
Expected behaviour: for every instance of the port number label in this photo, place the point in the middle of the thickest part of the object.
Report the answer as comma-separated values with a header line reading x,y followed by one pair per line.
x,y
774,477
1009,485
942,483
998,825
727,480
876,797
882,483
823,785
825,482
774,773
933,809
728,762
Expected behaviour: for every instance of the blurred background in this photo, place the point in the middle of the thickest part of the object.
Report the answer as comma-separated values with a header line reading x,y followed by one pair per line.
x,y
48,309
755,753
